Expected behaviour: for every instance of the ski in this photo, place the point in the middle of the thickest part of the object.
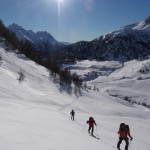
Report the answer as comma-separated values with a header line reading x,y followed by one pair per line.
x,y
95,137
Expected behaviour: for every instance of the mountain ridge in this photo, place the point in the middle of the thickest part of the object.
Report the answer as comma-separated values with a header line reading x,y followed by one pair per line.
x,y
126,43
41,40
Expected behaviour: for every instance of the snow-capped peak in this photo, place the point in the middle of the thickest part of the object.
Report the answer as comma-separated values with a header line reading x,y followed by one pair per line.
x,y
131,28
21,33
143,24
147,20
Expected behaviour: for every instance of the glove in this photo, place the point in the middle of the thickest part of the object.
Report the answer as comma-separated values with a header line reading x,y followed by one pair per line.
x,y
131,138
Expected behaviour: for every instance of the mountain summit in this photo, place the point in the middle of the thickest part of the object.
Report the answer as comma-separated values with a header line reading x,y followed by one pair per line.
x,y
145,25
41,40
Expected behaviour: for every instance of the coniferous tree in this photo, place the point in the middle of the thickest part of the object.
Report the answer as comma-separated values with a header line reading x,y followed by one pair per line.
x,y
52,61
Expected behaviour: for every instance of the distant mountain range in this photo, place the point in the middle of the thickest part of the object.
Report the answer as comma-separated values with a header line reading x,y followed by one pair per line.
x,y
126,43
41,40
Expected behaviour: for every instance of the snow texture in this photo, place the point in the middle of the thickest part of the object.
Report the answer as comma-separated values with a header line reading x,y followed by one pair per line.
x,y
34,114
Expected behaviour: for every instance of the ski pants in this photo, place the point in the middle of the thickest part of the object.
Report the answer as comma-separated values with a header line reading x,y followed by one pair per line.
x,y
72,117
92,129
120,141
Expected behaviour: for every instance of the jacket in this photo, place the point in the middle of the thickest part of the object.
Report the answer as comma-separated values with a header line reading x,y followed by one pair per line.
x,y
124,134
91,122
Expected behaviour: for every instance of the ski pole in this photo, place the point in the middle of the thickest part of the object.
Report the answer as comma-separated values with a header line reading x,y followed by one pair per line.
x,y
96,131
130,145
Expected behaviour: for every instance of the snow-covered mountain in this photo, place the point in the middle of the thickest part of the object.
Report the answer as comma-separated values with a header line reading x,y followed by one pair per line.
x,y
126,43
35,114
41,40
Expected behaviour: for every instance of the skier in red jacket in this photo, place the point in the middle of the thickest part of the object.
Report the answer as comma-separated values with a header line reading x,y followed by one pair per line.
x,y
91,123
124,132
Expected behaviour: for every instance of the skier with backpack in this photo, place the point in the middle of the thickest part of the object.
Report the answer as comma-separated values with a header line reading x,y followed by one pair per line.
x,y
124,132
72,115
91,123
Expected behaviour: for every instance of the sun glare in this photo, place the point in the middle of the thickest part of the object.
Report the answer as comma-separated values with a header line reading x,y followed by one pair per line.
x,y
60,1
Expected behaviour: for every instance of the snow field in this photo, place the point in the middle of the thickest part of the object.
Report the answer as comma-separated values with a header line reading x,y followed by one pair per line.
x,y
34,114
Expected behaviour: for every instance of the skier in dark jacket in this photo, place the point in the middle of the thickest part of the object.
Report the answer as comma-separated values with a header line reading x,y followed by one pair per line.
x,y
91,123
124,132
72,115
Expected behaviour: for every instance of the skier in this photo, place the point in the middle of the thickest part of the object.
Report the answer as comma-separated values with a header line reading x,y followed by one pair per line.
x,y
91,123
124,132
72,115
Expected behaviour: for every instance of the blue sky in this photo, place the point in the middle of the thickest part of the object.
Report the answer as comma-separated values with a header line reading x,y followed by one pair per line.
x,y
73,20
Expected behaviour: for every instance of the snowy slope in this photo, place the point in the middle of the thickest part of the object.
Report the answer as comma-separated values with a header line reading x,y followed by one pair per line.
x,y
34,114
130,79
143,26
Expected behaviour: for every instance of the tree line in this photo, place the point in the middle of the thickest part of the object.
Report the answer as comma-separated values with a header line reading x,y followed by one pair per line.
x,y
51,60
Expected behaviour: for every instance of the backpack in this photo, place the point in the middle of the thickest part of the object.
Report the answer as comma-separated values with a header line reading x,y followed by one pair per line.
x,y
127,127
72,112
122,127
